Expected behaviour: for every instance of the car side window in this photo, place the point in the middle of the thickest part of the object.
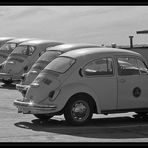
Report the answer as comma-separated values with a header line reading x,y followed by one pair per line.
x,y
103,66
13,45
142,67
31,50
28,50
127,66
25,50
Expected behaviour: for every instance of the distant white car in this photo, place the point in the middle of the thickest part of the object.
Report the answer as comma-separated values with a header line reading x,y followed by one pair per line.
x,y
85,81
8,47
22,58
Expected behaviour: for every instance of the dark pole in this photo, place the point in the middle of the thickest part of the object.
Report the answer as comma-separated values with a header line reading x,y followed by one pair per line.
x,y
131,41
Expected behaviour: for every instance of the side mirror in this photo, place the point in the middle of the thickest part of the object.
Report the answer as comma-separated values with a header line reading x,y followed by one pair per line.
x,y
80,72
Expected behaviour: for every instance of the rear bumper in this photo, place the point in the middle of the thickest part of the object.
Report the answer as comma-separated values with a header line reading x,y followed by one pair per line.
x,y
5,76
32,108
21,87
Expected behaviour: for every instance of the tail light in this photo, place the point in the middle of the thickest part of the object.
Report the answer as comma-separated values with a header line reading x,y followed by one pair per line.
x,y
24,91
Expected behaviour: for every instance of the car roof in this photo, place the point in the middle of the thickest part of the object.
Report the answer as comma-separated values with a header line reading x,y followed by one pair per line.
x,y
89,52
6,38
67,47
38,42
19,40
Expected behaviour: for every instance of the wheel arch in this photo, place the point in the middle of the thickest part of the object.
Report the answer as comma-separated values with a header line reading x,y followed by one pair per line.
x,y
68,92
83,95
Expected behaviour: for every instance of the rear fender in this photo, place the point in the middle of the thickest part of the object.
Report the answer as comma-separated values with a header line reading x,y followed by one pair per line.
x,y
69,90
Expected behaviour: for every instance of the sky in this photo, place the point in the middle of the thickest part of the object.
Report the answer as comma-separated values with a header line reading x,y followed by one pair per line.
x,y
76,24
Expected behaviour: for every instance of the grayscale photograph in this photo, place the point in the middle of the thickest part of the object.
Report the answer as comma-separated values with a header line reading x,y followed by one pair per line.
x,y
74,73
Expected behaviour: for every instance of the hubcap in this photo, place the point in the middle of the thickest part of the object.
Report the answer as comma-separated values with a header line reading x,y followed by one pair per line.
x,y
80,111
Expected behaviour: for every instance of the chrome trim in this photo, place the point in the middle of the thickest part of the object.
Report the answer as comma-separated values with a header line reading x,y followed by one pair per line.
x,y
6,76
19,86
30,107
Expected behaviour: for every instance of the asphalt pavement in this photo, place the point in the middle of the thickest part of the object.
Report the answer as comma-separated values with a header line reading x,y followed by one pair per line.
x,y
15,127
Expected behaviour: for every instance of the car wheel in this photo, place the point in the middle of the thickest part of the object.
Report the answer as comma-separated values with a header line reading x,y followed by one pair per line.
x,y
78,111
43,116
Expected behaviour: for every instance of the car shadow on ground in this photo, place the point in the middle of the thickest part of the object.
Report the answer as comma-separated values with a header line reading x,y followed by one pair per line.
x,y
8,86
112,128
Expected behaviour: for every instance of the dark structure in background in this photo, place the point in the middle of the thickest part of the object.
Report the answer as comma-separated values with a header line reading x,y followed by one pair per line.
x,y
131,41
140,48
142,32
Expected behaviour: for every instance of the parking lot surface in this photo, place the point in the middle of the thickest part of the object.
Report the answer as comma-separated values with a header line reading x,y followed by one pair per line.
x,y
16,127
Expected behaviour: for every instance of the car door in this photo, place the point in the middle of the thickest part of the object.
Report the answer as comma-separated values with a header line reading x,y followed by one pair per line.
x,y
143,98
99,75
132,84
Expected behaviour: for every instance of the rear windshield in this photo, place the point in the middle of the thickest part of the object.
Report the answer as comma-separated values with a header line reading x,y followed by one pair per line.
x,y
8,46
45,59
49,56
60,64
24,50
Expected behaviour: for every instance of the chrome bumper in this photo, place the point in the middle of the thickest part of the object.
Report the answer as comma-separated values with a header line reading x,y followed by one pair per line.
x,y
5,76
32,108
20,87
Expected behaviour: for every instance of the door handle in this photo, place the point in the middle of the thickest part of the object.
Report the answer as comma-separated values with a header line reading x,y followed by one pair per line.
x,y
122,80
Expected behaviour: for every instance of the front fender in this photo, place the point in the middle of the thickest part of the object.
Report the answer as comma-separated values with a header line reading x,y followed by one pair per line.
x,y
69,90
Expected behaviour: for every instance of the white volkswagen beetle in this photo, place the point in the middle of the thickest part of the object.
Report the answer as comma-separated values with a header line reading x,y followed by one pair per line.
x,y
23,57
46,58
85,81
8,47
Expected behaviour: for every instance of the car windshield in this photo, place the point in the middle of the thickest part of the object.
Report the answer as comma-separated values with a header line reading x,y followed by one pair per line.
x,y
60,64
8,46
24,50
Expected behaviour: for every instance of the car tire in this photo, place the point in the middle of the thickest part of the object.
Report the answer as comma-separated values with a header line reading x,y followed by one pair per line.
x,y
43,116
78,111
